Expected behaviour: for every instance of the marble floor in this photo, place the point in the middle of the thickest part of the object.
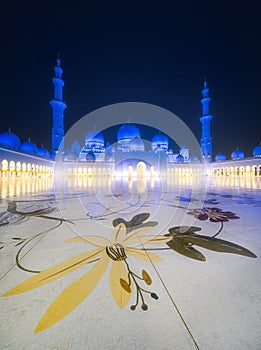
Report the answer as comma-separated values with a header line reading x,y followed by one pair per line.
x,y
129,264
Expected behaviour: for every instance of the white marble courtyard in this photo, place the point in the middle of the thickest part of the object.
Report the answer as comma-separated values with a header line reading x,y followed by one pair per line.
x,y
212,304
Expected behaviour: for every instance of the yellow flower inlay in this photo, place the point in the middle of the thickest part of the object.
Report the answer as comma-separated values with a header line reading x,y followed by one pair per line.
x,y
117,250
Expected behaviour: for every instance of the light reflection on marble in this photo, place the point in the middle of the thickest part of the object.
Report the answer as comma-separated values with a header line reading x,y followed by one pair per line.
x,y
192,285
24,186
18,186
247,181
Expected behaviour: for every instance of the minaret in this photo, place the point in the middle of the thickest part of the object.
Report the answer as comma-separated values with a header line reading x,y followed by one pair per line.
x,y
206,139
58,106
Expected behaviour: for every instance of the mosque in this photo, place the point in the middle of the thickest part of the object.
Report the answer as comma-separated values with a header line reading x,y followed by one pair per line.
x,y
96,156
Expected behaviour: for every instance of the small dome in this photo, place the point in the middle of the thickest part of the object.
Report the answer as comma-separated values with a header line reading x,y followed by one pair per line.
x,y
220,157
257,151
29,147
160,142
90,157
237,154
136,144
160,138
128,131
42,152
180,158
10,139
94,136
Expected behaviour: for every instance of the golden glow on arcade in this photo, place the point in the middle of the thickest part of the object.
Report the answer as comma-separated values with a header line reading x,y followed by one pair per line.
x,y
247,170
11,168
19,169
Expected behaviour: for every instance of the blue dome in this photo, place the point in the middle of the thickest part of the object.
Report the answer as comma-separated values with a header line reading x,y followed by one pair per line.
x,y
94,136
136,144
160,138
220,157
42,152
180,158
237,154
257,151
128,131
10,139
160,142
29,147
90,157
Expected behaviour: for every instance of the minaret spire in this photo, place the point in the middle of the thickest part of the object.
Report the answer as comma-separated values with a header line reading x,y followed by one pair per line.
x,y
58,60
58,106
206,139
205,81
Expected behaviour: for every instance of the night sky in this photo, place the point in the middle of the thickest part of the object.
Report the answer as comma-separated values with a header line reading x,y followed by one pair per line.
x,y
113,52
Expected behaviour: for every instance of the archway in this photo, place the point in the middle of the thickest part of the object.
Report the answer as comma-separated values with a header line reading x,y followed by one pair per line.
x,y
141,170
4,165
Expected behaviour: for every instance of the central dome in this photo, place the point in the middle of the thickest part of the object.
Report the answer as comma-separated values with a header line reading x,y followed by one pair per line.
x,y
128,131
94,136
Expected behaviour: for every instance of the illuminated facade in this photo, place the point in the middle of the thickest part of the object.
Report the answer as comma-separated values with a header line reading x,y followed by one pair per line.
x,y
129,153
16,163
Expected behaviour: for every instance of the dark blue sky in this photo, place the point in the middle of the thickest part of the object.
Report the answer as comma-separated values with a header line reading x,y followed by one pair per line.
x,y
155,53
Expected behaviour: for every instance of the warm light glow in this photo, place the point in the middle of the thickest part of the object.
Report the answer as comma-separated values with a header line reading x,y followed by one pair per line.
x,y
4,165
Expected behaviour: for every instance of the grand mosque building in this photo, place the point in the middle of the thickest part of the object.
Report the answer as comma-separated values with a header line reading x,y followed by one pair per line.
x,y
94,155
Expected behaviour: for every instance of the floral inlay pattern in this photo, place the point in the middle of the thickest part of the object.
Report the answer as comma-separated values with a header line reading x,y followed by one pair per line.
x,y
129,238
213,214
122,279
